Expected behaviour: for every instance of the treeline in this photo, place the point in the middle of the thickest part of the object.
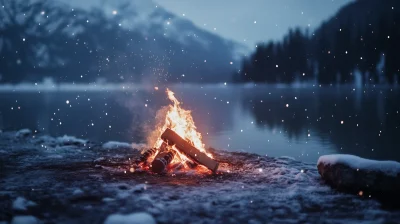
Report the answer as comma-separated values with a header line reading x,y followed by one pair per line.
x,y
347,46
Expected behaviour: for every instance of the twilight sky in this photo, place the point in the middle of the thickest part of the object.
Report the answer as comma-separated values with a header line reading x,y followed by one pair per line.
x,y
247,21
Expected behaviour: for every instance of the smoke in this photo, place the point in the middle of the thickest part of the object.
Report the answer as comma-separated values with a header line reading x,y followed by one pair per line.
x,y
154,131
147,110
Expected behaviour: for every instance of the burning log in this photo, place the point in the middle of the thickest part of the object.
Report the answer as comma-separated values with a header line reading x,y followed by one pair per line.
x,y
192,152
162,160
150,152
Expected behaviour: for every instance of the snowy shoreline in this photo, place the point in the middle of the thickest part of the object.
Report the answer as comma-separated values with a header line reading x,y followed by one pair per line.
x,y
67,179
50,86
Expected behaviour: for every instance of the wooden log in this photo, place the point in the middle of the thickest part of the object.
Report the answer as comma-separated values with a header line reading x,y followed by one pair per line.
x,y
162,160
188,149
146,154
150,152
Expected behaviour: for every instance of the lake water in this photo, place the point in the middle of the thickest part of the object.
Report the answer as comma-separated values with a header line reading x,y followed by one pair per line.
x,y
303,123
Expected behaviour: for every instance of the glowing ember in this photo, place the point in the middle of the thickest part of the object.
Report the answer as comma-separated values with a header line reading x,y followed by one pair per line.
x,y
180,121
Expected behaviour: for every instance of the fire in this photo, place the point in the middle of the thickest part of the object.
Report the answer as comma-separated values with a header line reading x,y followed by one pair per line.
x,y
180,121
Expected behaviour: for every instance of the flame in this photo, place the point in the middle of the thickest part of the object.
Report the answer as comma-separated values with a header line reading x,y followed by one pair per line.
x,y
181,121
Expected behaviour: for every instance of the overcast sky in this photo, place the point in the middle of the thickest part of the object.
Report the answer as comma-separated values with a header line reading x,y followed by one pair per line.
x,y
252,21
249,21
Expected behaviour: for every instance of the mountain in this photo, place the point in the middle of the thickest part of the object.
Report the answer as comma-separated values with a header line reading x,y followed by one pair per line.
x,y
115,41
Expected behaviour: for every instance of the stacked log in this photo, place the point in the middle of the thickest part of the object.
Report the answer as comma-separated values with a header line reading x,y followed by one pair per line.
x,y
165,155
172,138
162,160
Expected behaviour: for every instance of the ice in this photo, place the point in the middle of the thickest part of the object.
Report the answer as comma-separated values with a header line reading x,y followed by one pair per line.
x,y
389,167
21,203
25,219
115,145
134,218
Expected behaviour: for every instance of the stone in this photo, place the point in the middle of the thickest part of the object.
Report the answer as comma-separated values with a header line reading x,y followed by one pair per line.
x,y
364,177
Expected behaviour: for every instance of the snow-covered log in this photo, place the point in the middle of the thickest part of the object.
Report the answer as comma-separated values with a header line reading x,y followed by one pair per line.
x,y
371,178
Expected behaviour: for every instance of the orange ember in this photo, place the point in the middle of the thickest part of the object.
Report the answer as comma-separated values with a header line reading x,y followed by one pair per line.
x,y
181,121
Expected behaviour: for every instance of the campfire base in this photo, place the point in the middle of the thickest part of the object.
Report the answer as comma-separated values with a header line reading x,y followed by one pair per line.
x,y
172,138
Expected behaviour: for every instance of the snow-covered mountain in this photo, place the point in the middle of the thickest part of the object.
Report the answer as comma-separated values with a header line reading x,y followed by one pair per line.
x,y
125,40
180,50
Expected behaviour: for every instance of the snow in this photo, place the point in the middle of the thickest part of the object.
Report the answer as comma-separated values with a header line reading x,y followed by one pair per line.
x,y
355,162
283,190
23,133
65,140
77,191
21,203
51,86
134,218
115,144
25,219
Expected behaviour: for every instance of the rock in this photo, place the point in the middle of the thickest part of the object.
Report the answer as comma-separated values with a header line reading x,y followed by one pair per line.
x,y
23,133
25,219
21,204
116,145
70,140
134,218
369,178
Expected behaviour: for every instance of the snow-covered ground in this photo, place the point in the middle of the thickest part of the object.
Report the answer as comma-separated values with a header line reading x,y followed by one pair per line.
x,y
56,181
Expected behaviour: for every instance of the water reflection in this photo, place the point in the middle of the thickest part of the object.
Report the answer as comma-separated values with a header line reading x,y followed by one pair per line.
x,y
363,122
303,123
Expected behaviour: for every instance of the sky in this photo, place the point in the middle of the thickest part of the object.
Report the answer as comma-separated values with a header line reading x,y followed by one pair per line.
x,y
248,21
253,21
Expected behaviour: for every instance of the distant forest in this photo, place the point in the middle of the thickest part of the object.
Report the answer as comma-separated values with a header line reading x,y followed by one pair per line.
x,y
362,38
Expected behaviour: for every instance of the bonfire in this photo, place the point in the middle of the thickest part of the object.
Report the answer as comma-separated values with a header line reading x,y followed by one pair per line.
x,y
178,145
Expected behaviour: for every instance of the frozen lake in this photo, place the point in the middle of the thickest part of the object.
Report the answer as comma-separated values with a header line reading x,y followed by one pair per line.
x,y
303,123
